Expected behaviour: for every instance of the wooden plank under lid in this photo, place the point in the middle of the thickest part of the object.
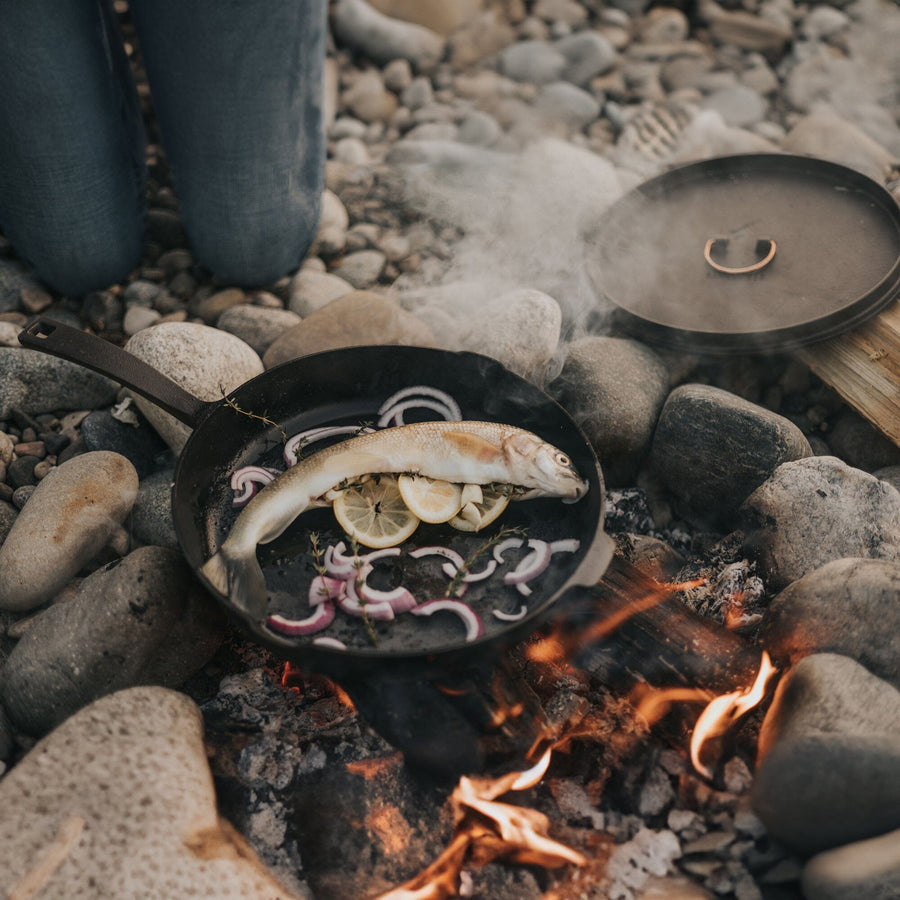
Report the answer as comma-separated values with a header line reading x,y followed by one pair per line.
x,y
863,366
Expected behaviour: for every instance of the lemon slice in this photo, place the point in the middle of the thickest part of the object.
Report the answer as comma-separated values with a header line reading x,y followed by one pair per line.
x,y
475,515
430,500
374,513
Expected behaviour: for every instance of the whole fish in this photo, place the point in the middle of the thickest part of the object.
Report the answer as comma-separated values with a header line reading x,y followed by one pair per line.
x,y
461,452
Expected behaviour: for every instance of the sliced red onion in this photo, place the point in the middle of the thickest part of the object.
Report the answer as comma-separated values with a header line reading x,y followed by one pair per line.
x,y
532,565
399,599
247,480
395,413
512,543
321,618
510,617
304,438
452,571
334,643
446,552
567,545
322,589
523,589
423,390
376,611
470,618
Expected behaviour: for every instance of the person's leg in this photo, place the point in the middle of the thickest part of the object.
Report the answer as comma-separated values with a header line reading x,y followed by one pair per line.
x,y
71,143
237,87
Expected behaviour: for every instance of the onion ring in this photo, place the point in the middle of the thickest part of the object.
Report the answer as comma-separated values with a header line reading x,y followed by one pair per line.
x,y
375,611
323,589
320,619
512,543
470,618
334,643
446,552
248,480
532,565
395,413
399,599
451,572
510,617
423,390
304,438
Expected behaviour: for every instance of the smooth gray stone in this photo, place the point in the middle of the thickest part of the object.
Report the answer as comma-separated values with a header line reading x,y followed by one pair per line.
x,y
849,606
70,517
586,54
829,752
864,869
14,278
614,389
711,449
34,383
859,444
816,510
536,62
141,620
384,39
151,519
257,326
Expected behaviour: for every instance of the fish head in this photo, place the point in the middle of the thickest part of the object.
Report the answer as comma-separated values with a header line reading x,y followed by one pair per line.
x,y
543,468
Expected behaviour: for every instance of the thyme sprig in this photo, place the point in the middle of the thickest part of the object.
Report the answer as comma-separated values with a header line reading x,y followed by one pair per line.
x,y
264,419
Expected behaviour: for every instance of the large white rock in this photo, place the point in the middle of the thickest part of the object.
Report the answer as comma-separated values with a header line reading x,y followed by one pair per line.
x,y
74,511
119,802
204,361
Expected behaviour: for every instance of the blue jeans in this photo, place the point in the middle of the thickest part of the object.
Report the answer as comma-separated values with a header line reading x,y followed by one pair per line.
x,y
237,90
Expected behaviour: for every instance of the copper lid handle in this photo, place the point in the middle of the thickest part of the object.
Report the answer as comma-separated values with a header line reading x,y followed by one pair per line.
x,y
761,245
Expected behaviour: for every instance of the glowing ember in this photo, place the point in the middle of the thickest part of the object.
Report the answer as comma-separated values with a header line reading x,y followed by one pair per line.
x,y
724,711
487,829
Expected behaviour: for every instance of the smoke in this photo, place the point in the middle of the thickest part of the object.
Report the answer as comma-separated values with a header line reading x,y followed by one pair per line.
x,y
525,218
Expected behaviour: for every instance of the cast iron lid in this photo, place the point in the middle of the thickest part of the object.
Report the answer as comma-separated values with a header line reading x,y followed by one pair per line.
x,y
748,253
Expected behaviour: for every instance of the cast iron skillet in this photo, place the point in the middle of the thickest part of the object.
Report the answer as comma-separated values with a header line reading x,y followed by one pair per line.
x,y
348,386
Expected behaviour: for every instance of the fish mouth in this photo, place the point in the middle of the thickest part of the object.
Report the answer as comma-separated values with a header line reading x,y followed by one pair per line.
x,y
580,489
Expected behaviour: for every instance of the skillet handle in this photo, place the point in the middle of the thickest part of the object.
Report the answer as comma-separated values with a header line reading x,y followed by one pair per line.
x,y
87,350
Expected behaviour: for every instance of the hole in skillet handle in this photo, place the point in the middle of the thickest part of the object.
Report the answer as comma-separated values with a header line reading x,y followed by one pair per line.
x,y
347,387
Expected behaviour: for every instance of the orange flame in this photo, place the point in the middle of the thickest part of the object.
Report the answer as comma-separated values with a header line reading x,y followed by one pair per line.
x,y
722,712
487,829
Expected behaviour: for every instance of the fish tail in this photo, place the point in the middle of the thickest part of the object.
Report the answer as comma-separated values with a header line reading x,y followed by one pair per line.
x,y
239,577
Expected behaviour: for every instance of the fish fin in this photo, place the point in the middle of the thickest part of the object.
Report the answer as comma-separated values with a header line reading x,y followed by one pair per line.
x,y
473,445
521,444
239,578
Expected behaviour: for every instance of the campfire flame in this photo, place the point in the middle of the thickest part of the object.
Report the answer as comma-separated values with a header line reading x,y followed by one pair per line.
x,y
488,829
722,712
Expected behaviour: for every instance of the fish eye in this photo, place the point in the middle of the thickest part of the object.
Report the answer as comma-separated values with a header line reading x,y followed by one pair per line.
x,y
563,460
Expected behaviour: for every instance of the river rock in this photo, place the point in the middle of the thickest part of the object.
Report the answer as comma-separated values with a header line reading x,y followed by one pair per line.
x,y
151,519
382,38
354,320
8,514
331,236
36,383
829,749
362,268
586,54
70,517
135,439
126,779
368,99
869,869
815,510
859,444
663,25
485,35
745,30
532,61
738,105
204,361
311,290
257,326
561,101
441,16
848,606
520,329
823,133
614,388
712,448
141,620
